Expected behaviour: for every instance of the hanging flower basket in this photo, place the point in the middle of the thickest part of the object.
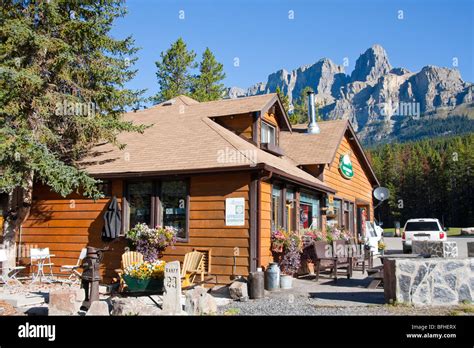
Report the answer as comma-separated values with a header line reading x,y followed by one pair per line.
x,y
277,248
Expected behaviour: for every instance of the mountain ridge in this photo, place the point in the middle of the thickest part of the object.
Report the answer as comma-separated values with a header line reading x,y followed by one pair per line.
x,y
376,97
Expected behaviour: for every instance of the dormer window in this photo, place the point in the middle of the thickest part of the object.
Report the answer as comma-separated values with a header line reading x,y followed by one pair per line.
x,y
268,134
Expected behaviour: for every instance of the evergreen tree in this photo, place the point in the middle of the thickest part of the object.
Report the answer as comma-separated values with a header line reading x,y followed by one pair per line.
x,y
428,178
61,91
285,101
173,74
300,110
207,85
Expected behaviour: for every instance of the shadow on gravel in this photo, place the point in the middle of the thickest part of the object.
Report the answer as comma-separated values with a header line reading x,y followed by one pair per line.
x,y
360,297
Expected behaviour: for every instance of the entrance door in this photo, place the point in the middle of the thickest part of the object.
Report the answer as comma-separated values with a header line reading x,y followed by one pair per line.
x,y
362,217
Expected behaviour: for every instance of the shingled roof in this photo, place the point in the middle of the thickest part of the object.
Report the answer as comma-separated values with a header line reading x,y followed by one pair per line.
x,y
319,148
182,137
307,149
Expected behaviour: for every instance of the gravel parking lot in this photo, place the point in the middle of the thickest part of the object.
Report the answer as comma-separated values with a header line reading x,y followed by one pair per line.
x,y
305,305
346,297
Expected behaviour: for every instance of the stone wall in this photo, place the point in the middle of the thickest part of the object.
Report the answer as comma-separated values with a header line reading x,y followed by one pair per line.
x,y
435,248
429,282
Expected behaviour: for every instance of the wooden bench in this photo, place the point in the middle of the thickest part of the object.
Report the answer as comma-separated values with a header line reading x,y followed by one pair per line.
x,y
376,273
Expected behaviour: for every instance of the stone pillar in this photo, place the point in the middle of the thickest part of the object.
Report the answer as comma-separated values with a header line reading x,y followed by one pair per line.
x,y
172,295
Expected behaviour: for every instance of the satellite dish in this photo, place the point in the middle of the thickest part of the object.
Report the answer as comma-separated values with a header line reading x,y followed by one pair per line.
x,y
381,193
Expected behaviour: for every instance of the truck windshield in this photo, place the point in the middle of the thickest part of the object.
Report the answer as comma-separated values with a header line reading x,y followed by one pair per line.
x,y
422,226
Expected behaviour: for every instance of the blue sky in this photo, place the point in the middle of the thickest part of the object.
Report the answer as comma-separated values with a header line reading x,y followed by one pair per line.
x,y
263,38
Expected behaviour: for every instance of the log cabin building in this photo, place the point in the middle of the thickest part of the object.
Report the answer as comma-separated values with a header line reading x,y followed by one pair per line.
x,y
224,173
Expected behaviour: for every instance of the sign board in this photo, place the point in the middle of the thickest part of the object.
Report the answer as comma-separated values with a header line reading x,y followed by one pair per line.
x,y
235,211
330,199
172,294
345,166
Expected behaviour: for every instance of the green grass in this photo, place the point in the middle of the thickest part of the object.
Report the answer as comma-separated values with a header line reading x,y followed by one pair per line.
x,y
453,231
232,311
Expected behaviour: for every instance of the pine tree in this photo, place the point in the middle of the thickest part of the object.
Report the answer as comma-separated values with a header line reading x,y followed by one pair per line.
x,y
207,85
428,178
285,101
61,92
173,74
300,111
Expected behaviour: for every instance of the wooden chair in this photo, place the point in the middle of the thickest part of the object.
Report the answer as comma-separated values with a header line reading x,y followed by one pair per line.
x,y
128,258
343,257
207,260
329,257
193,265
359,256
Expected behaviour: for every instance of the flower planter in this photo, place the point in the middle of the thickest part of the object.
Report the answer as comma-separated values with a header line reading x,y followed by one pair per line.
x,y
143,285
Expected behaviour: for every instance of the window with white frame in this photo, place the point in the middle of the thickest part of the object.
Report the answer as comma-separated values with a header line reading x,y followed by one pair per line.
x,y
268,134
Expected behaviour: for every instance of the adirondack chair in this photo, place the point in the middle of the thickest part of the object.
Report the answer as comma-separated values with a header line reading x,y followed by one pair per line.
x,y
128,258
193,265
207,260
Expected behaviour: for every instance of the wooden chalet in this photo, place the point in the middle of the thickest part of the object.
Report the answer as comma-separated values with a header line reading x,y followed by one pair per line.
x,y
224,173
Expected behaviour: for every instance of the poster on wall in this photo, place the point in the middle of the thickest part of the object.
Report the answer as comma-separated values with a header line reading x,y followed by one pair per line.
x,y
235,211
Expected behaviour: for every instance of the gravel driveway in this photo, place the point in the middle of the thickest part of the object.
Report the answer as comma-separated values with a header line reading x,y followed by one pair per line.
x,y
307,306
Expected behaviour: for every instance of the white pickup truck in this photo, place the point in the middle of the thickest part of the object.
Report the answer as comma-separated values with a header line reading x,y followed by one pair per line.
x,y
422,229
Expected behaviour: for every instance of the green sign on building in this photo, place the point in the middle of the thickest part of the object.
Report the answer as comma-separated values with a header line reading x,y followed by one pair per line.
x,y
345,166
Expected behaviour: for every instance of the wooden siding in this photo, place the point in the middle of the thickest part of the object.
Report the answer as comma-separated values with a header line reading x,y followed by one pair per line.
x,y
357,188
265,224
239,124
207,224
270,118
66,225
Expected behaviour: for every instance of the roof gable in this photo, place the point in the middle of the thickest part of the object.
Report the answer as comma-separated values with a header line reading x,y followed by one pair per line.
x,y
307,149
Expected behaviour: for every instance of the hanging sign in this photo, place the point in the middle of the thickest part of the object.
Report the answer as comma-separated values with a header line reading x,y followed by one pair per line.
x,y
345,166
235,211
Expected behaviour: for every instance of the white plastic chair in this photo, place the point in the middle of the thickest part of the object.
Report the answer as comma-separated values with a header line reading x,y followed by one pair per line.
x,y
42,257
75,275
8,273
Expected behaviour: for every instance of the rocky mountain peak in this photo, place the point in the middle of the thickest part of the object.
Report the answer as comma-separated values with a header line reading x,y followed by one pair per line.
x,y
371,65
376,98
